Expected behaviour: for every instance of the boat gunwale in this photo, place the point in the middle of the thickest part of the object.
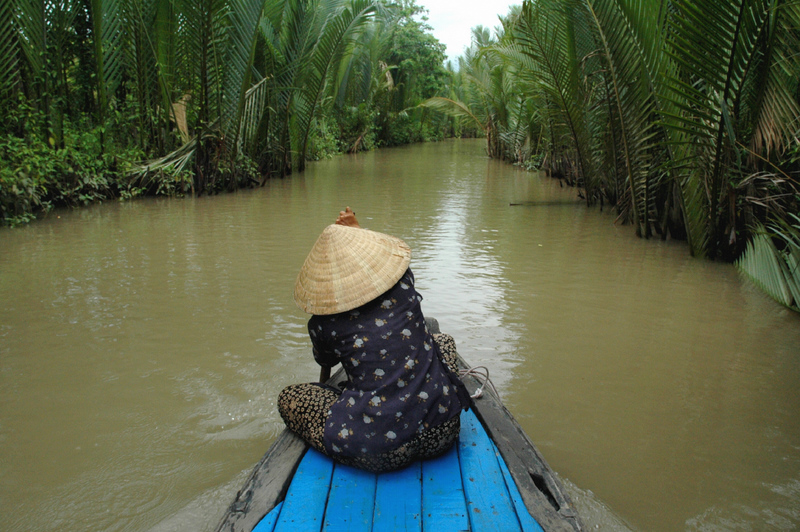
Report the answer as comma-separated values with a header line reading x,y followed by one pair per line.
x,y
541,491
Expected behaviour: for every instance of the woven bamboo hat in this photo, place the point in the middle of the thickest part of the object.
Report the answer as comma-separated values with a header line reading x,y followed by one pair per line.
x,y
347,267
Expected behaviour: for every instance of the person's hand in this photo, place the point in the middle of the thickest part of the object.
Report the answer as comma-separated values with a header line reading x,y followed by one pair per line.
x,y
347,217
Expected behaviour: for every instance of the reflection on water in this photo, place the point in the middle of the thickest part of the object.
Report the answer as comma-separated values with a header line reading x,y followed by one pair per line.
x,y
142,346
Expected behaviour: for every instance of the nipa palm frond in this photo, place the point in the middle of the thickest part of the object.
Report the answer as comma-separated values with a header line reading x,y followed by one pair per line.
x,y
245,17
452,108
630,93
776,271
775,83
330,47
545,33
9,51
713,45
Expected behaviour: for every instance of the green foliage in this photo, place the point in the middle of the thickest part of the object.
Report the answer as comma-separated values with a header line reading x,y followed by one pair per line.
x,y
418,60
323,143
772,260
403,64
494,93
401,129
34,177
206,95
682,114
356,128
624,99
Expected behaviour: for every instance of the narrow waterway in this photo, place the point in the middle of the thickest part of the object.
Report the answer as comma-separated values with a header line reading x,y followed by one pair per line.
x,y
143,344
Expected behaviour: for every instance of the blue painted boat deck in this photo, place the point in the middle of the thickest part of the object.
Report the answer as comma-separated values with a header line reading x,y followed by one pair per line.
x,y
468,488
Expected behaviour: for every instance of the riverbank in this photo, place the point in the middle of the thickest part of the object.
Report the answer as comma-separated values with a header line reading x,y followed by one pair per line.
x,y
36,178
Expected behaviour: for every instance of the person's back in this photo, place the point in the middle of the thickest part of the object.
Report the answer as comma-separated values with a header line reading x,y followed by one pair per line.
x,y
398,386
403,399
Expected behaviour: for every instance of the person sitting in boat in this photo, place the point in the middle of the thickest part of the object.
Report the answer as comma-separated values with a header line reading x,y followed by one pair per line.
x,y
403,397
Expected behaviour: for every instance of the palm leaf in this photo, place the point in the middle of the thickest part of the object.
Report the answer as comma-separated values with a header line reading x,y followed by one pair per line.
x,y
367,76
630,90
245,17
177,161
545,33
452,108
331,47
9,51
712,47
775,271
107,34
254,107
771,97
32,34
141,64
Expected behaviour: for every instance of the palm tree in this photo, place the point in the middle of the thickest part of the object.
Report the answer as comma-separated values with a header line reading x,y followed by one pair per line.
x,y
235,78
489,93
716,53
279,60
682,114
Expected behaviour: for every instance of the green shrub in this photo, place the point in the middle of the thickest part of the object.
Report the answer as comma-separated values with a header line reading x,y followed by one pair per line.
x,y
323,142
356,128
35,177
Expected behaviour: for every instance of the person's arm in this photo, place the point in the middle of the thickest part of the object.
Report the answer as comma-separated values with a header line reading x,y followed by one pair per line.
x,y
324,374
347,217
325,359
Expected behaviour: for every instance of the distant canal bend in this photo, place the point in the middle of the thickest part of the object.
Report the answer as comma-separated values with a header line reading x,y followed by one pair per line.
x,y
142,346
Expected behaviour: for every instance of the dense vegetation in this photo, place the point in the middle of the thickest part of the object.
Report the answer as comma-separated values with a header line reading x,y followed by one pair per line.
x,y
106,98
681,114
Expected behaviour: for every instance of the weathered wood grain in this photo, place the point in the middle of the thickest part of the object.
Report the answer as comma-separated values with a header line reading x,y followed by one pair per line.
x,y
489,504
526,521
266,486
267,524
398,500
443,504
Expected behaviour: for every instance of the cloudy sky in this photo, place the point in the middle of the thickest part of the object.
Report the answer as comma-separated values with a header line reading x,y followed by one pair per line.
x,y
452,20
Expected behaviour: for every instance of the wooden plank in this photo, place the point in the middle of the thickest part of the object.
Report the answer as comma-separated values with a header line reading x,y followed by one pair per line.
x,y
398,500
351,501
304,507
489,505
540,489
268,523
266,485
527,521
443,505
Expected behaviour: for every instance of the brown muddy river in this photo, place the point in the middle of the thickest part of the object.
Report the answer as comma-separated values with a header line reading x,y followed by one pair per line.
x,y
143,344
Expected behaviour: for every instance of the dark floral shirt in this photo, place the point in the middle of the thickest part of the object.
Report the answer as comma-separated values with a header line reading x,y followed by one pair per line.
x,y
398,385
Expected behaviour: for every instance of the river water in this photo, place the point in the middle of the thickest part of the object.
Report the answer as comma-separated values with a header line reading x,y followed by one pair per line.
x,y
142,346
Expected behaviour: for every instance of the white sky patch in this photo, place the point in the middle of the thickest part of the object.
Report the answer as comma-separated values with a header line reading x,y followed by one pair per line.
x,y
452,20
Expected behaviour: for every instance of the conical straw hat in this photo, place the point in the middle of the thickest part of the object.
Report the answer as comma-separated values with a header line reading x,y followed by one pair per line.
x,y
347,267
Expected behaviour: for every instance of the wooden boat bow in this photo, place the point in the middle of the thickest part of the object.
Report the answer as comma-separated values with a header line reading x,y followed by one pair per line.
x,y
541,496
